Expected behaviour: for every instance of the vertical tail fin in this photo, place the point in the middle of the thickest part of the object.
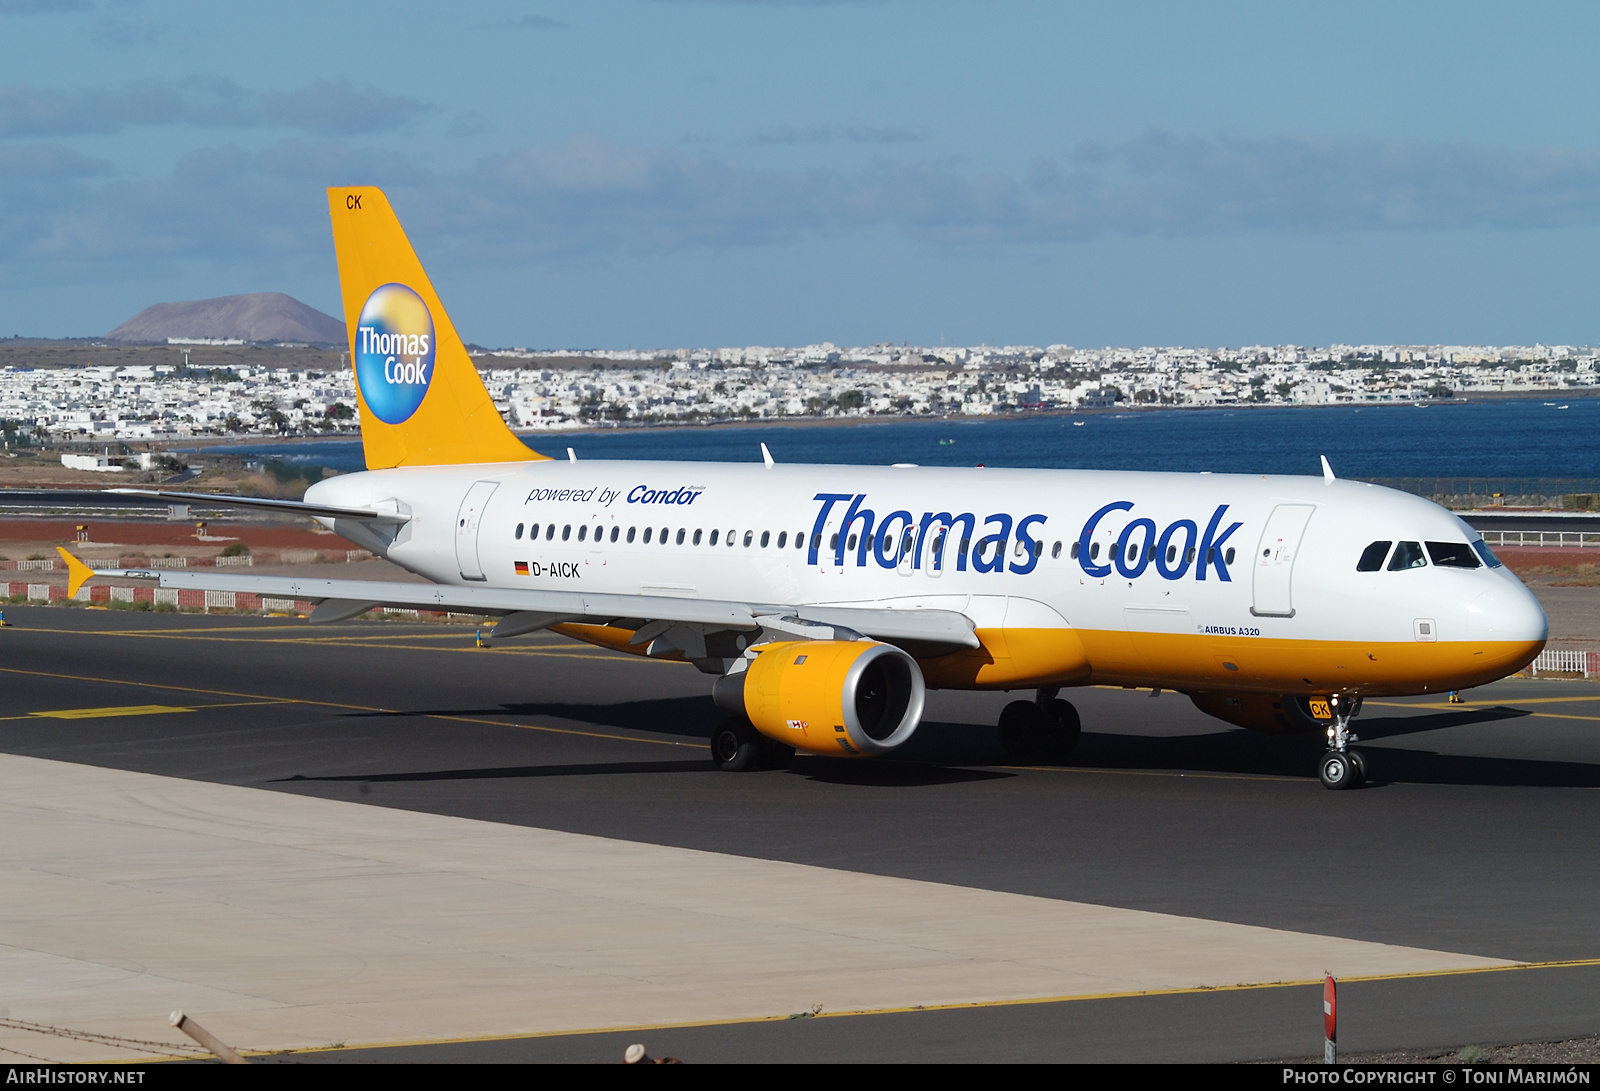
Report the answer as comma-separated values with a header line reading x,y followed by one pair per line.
x,y
421,401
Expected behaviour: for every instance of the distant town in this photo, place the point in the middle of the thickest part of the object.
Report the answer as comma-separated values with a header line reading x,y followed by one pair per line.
x,y
59,392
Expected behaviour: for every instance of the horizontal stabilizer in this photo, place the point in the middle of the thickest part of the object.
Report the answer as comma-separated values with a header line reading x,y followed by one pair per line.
x,y
283,507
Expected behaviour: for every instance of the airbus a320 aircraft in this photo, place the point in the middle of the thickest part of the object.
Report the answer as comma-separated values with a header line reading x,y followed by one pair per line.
x,y
825,600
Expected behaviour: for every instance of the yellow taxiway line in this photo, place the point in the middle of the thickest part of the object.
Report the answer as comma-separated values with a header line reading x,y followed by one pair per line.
x,y
256,698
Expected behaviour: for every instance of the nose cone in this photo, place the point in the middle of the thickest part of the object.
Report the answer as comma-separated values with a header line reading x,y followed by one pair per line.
x,y
1509,613
1508,629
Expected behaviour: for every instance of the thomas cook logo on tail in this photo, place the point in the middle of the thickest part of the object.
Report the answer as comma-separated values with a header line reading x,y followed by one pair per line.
x,y
394,352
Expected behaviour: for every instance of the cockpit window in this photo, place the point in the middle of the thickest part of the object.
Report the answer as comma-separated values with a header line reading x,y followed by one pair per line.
x,y
1482,549
1372,557
1452,555
1407,555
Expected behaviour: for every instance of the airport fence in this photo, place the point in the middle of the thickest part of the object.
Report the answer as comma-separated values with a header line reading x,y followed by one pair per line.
x,y
1545,539
1559,493
1563,662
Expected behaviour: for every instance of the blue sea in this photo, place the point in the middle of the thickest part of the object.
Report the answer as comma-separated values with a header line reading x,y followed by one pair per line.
x,y
1525,439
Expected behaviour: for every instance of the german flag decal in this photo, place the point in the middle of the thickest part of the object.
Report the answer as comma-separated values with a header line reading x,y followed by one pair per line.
x,y
522,567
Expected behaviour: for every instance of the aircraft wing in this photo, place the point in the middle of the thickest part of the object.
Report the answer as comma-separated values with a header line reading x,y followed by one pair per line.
x,y
526,610
282,507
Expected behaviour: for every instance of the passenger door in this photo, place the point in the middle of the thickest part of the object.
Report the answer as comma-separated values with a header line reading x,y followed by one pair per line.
x,y
1274,561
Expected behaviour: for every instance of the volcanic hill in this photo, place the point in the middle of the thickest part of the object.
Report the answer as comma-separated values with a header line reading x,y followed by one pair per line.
x,y
262,316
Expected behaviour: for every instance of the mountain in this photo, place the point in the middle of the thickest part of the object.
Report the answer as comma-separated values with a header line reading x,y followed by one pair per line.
x,y
263,316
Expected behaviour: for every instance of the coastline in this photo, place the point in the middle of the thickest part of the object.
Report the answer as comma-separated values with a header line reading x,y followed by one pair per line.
x,y
220,444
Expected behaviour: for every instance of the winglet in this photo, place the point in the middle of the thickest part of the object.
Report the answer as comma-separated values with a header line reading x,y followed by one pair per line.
x,y
78,573
1327,470
766,455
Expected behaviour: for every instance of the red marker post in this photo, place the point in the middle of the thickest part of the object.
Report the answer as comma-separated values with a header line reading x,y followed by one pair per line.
x,y
1330,1021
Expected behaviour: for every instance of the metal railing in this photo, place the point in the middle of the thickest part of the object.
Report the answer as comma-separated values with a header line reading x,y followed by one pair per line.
x,y
1547,539
1556,661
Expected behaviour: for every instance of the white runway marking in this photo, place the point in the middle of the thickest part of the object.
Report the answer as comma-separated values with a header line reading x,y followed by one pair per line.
x,y
282,921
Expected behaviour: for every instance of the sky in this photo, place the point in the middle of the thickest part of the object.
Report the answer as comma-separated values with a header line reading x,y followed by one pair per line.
x,y
687,173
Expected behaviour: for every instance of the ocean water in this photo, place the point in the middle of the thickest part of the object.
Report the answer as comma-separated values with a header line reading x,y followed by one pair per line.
x,y
1511,439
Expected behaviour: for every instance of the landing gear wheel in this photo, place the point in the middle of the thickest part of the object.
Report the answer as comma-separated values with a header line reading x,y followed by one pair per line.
x,y
737,747
1024,730
1358,762
1066,731
775,755
1337,771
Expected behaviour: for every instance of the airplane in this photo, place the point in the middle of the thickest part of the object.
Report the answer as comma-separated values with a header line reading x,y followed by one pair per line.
x,y
825,600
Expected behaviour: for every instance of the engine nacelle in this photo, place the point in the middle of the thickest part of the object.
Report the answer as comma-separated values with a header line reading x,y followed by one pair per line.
x,y
853,698
1265,712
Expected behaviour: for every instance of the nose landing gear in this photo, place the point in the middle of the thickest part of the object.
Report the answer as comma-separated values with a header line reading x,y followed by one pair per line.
x,y
1342,767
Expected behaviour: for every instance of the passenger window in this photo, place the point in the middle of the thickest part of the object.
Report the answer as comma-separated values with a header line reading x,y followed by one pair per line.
x,y
664,533
1483,550
583,531
549,532
696,537
647,532
1227,558
713,537
833,543
733,536
1055,551
1188,555
1452,555
783,539
681,533
630,535
1094,552
816,541
1172,553
566,532
519,532
1372,557
800,539
1073,553
749,536
614,532
1038,548
766,536
1407,555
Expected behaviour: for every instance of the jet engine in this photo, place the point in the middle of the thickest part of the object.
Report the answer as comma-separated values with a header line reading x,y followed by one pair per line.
x,y
854,698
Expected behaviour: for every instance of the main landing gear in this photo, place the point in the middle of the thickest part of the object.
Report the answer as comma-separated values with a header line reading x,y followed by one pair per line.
x,y
1044,728
1342,767
737,747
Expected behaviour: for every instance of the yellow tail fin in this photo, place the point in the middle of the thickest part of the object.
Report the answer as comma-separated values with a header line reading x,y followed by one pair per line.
x,y
422,403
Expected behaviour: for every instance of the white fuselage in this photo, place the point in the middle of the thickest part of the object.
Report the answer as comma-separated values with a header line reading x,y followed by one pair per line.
x,y
1131,558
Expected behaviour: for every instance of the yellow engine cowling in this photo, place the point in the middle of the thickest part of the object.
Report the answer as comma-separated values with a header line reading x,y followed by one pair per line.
x,y
850,698
1264,712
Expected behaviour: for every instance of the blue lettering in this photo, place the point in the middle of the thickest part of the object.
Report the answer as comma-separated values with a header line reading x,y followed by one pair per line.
x,y
1182,554
1211,547
852,513
1028,545
998,562
829,499
1131,560
887,539
1089,566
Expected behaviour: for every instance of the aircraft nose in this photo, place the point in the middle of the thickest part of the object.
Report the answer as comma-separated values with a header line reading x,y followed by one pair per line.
x,y
1509,612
